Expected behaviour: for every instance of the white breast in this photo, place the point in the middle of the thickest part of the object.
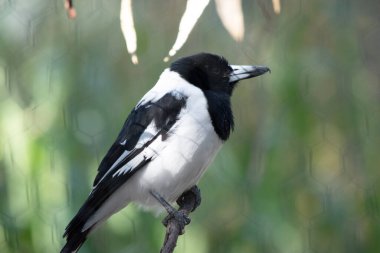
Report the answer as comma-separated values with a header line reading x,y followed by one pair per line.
x,y
182,158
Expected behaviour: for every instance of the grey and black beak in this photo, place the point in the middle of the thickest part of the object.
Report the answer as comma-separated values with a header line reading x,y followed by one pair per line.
x,y
240,72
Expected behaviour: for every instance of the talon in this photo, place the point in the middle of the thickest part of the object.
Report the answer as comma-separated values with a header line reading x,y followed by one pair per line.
x,y
181,218
178,215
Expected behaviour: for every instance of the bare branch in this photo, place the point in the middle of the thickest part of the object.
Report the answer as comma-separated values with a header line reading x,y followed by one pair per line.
x,y
188,202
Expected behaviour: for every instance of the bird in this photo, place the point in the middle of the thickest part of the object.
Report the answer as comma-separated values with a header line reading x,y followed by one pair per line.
x,y
166,143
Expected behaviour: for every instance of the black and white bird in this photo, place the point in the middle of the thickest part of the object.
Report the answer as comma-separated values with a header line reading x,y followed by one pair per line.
x,y
167,141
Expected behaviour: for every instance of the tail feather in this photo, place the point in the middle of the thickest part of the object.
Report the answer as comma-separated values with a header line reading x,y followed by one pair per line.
x,y
74,242
75,237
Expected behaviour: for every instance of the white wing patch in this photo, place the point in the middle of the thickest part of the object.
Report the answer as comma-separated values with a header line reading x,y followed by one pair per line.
x,y
147,135
125,153
130,165
150,132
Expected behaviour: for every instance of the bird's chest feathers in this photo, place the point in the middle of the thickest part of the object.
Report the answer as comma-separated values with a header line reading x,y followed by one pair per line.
x,y
194,123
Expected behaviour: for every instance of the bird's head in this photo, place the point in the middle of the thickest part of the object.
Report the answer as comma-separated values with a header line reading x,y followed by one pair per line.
x,y
212,72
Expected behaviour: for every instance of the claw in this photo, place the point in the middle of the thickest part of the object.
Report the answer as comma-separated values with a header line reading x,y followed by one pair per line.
x,y
181,218
177,215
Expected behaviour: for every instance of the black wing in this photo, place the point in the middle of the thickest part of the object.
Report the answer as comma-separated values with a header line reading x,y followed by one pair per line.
x,y
163,113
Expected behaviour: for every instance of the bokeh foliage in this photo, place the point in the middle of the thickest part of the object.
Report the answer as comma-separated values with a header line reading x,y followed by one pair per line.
x,y
299,174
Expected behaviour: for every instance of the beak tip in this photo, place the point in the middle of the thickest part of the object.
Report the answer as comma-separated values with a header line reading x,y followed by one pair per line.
x,y
241,72
266,69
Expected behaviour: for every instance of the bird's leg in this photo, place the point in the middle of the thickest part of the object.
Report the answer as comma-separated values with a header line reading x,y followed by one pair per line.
x,y
169,208
179,215
195,193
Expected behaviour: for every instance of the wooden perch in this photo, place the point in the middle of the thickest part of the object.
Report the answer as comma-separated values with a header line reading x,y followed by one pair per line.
x,y
188,202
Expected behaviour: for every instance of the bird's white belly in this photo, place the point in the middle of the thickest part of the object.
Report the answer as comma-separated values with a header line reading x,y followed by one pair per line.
x,y
182,160
181,165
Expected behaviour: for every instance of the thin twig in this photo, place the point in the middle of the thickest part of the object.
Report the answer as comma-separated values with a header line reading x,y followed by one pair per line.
x,y
188,202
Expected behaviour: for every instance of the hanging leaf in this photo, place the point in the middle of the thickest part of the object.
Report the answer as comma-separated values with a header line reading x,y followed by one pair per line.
x,y
70,9
231,14
194,9
128,29
276,6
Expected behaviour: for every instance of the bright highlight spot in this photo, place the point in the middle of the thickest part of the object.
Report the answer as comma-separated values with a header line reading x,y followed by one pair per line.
x,y
231,14
194,9
276,6
128,29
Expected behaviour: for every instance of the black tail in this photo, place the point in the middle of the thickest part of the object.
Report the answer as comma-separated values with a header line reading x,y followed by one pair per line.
x,y
74,242
74,233
75,237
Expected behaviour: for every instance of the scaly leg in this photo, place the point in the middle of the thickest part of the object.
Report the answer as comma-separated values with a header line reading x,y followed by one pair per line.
x,y
173,213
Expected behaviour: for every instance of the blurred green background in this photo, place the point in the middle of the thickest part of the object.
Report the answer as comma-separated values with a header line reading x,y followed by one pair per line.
x,y
299,174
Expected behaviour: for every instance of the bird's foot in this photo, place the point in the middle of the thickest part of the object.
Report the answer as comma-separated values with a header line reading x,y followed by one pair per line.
x,y
173,214
179,217
193,192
